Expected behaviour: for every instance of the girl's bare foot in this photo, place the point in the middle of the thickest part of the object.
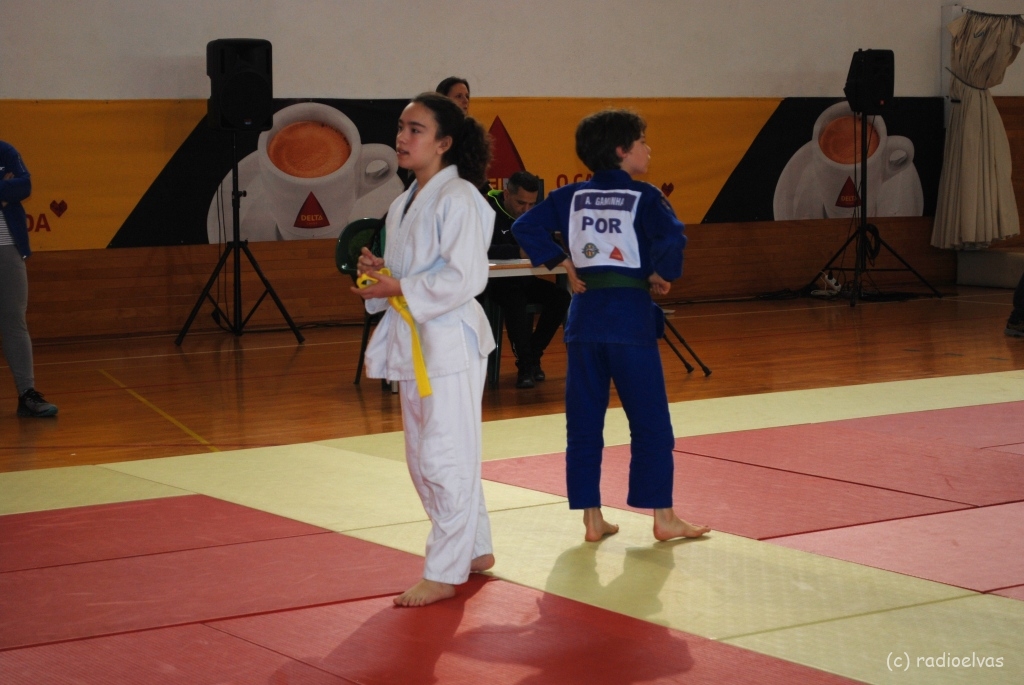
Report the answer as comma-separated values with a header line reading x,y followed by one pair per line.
x,y
481,563
425,592
597,527
668,526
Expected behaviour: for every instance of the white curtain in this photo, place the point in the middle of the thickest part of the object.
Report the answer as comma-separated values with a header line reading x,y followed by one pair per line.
x,y
976,204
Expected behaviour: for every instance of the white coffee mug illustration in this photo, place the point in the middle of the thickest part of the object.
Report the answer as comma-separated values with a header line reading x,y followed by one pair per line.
x,y
314,167
836,159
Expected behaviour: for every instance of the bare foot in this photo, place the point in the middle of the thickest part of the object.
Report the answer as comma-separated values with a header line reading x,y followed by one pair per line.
x,y
597,527
668,526
425,592
481,563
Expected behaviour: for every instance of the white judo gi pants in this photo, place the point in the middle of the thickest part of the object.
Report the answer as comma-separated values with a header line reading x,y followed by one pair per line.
x,y
442,448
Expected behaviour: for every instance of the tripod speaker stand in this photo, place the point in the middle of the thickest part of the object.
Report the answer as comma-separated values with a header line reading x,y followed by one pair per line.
x,y
669,328
236,324
240,100
869,86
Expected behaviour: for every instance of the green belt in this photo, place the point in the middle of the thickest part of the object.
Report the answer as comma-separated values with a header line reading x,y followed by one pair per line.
x,y
612,279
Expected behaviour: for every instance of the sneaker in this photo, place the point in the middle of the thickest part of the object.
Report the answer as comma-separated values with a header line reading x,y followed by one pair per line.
x,y
1015,329
538,373
32,404
525,378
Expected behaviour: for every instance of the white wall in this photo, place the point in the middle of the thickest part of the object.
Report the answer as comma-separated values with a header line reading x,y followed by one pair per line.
x,y
129,49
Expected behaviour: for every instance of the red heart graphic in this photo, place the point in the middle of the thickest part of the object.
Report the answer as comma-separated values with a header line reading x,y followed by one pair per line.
x,y
58,208
667,188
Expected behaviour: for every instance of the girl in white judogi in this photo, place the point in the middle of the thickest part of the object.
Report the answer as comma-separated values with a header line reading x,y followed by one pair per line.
x,y
436,250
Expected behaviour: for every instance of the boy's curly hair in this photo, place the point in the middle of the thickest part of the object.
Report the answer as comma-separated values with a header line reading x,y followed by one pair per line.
x,y
598,136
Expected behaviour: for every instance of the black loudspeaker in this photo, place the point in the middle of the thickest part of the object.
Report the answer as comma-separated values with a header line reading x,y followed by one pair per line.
x,y
241,88
869,84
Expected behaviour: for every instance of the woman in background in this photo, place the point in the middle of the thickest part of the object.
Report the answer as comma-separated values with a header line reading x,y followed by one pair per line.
x,y
456,89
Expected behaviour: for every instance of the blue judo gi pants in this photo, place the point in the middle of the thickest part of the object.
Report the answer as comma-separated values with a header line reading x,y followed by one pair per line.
x,y
640,383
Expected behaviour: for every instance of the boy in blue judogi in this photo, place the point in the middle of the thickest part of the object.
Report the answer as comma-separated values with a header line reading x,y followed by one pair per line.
x,y
625,242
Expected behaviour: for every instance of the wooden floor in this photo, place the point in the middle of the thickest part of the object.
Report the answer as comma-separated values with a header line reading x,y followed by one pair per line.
x,y
139,398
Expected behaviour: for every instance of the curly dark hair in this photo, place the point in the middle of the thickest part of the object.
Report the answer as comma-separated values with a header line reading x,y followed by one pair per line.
x,y
598,136
471,145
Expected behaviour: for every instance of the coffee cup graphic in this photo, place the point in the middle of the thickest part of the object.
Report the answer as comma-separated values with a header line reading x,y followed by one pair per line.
x,y
314,168
836,152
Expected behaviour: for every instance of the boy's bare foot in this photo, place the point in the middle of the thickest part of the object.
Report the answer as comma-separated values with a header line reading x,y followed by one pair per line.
x,y
481,563
597,527
668,526
425,592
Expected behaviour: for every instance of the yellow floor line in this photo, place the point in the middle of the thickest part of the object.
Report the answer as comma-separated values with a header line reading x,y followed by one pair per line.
x,y
188,431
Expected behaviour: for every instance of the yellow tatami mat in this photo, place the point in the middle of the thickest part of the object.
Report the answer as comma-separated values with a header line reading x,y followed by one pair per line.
x,y
771,410
546,434
320,485
502,439
74,486
719,587
975,639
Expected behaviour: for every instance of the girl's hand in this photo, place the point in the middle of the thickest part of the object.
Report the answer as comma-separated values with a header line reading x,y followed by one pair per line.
x,y
386,286
575,284
368,262
659,286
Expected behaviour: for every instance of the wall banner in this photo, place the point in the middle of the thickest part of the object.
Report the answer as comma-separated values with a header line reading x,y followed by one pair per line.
x,y
151,173
325,163
805,163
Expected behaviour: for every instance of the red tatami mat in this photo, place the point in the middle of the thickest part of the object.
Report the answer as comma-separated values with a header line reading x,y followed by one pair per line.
x,y
985,425
1011,592
1017,448
113,531
185,655
923,467
978,549
158,590
496,632
735,498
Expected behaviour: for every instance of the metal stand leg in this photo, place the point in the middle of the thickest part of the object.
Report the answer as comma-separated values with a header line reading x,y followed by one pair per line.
x,y
689,368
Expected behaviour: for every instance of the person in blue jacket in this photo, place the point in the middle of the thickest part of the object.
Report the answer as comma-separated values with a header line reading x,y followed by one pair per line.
x,y
15,186
624,242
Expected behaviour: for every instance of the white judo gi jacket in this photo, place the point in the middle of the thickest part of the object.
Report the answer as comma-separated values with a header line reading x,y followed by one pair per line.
x,y
438,249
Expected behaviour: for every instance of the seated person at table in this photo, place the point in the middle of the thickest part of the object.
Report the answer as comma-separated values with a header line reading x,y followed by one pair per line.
x,y
514,293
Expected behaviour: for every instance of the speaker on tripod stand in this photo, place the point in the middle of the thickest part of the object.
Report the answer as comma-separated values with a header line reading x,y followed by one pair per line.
x,y
870,81
241,99
869,92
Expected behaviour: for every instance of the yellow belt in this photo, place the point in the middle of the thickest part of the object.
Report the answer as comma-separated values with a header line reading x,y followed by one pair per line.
x,y
400,305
